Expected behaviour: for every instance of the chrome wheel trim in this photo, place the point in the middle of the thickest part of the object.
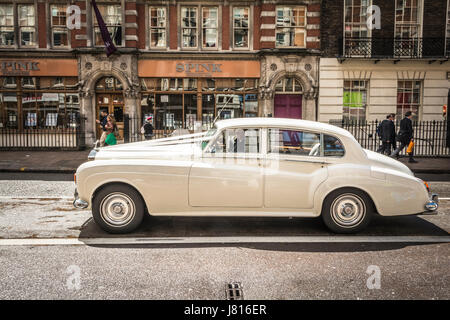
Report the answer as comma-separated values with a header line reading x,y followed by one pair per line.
x,y
348,210
117,209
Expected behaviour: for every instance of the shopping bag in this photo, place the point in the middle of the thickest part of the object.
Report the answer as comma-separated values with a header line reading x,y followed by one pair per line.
x,y
410,147
111,139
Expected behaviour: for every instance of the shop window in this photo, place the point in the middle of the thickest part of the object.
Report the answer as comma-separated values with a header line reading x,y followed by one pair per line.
x,y
189,27
408,98
208,111
355,100
169,111
149,84
209,27
9,115
229,106
6,24
60,33
190,110
158,20
251,105
29,82
9,82
291,27
112,15
27,25
208,84
241,27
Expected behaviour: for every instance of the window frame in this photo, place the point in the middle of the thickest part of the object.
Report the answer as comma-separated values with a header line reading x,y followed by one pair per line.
x,y
203,28
15,43
419,103
304,27
166,27
19,27
249,28
366,105
52,28
122,25
419,24
197,35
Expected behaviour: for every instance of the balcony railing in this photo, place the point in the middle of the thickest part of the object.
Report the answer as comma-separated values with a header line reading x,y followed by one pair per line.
x,y
386,48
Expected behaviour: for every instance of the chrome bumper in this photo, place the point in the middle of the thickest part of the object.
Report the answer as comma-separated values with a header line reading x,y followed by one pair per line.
x,y
78,203
433,204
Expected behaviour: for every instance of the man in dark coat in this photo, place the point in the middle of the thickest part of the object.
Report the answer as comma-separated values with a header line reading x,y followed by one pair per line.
x,y
405,135
386,133
148,128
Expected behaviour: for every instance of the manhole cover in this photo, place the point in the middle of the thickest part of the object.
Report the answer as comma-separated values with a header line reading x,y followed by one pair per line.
x,y
234,291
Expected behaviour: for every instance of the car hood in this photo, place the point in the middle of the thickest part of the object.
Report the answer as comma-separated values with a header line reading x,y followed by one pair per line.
x,y
179,148
383,161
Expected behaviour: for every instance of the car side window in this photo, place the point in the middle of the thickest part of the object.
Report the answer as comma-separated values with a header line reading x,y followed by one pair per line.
x,y
237,141
333,147
294,142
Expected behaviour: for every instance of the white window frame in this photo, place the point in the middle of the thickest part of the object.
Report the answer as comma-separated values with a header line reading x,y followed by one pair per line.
x,y
95,25
303,28
19,27
249,30
13,26
366,105
182,27
202,38
420,100
52,27
414,42
150,27
353,24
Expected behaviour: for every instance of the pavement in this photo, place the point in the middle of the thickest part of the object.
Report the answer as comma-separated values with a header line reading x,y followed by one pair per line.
x,y
69,161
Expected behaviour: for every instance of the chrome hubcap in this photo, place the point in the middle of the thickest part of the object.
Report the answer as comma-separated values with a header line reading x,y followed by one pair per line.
x,y
348,210
117,209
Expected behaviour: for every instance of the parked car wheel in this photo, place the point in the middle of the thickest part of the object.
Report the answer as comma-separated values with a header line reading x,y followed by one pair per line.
x,y
118,208
347,210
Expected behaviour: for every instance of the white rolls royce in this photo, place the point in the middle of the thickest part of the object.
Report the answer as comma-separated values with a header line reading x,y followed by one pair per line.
x,y
265,167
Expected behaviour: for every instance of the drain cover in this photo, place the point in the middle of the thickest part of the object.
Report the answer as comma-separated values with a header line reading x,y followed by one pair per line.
x,y
234,291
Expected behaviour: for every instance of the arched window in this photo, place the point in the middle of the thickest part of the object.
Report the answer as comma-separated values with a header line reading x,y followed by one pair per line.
x,y
288,85
108,84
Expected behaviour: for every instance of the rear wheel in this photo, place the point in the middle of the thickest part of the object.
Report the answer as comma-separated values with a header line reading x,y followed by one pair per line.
x,y
118,208
347,210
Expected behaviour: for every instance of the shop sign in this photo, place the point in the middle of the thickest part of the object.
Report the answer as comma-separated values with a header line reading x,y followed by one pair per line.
x,y
18,67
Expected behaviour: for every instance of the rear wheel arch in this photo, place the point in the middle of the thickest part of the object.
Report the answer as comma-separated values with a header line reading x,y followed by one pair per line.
x,y
348,188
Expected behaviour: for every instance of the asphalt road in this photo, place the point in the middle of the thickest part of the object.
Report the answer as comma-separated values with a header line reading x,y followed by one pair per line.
x,y
166,259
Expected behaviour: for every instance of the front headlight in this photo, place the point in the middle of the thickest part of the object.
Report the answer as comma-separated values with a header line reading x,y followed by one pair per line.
x,y
92,154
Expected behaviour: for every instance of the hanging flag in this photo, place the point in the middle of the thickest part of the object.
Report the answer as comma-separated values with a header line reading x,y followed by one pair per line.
x,y
109,45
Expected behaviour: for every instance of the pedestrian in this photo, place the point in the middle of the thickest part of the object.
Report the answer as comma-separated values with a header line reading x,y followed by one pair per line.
x,y
386,132
405,136
103,120
111,131
147,129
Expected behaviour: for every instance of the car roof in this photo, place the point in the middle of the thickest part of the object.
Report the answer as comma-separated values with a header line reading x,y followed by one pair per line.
x,y
282,122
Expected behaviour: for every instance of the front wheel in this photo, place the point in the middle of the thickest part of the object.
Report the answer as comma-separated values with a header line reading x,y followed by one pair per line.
x,y
347,210
118,209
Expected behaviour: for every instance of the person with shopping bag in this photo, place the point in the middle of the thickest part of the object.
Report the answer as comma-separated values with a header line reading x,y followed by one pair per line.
x,y
405,137
111,130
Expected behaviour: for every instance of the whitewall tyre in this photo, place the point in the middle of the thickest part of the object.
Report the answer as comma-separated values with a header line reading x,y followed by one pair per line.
x,y
118,208
347,210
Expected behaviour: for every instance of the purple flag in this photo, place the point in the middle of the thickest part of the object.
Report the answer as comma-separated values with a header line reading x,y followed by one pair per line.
x,y
109,45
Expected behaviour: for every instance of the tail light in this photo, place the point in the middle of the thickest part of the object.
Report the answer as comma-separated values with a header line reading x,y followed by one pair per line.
x,y
426,186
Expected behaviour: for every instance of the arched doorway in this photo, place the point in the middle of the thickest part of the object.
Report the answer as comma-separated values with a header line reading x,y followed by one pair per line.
x,y
288,98
109,98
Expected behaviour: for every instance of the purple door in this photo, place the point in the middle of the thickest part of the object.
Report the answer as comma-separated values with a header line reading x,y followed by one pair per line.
x,y
288,106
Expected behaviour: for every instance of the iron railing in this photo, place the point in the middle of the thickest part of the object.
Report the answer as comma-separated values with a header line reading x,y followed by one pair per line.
x,y
430,137
401,48
132,129
66,135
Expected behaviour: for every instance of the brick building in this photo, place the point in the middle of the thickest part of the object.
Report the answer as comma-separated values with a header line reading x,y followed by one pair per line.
x,y
366,74
183,62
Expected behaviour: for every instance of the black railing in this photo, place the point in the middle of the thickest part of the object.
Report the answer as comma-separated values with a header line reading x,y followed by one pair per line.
x,y
385,48
132,129
430,137
67,135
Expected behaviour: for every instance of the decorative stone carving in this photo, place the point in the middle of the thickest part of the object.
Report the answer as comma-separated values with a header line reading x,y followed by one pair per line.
x,y
123,66
88,65
273,67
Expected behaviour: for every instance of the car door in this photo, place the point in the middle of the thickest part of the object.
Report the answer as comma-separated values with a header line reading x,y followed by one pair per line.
x,y
230,172
294,168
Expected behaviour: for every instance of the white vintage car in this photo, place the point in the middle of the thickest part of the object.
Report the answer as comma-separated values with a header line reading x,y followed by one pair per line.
x,y
265,167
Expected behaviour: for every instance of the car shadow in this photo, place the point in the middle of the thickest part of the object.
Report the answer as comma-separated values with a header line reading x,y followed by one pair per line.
x,y
185,227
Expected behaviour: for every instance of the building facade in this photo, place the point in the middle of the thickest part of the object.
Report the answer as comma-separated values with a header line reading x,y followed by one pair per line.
x,y
183,62
401,65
